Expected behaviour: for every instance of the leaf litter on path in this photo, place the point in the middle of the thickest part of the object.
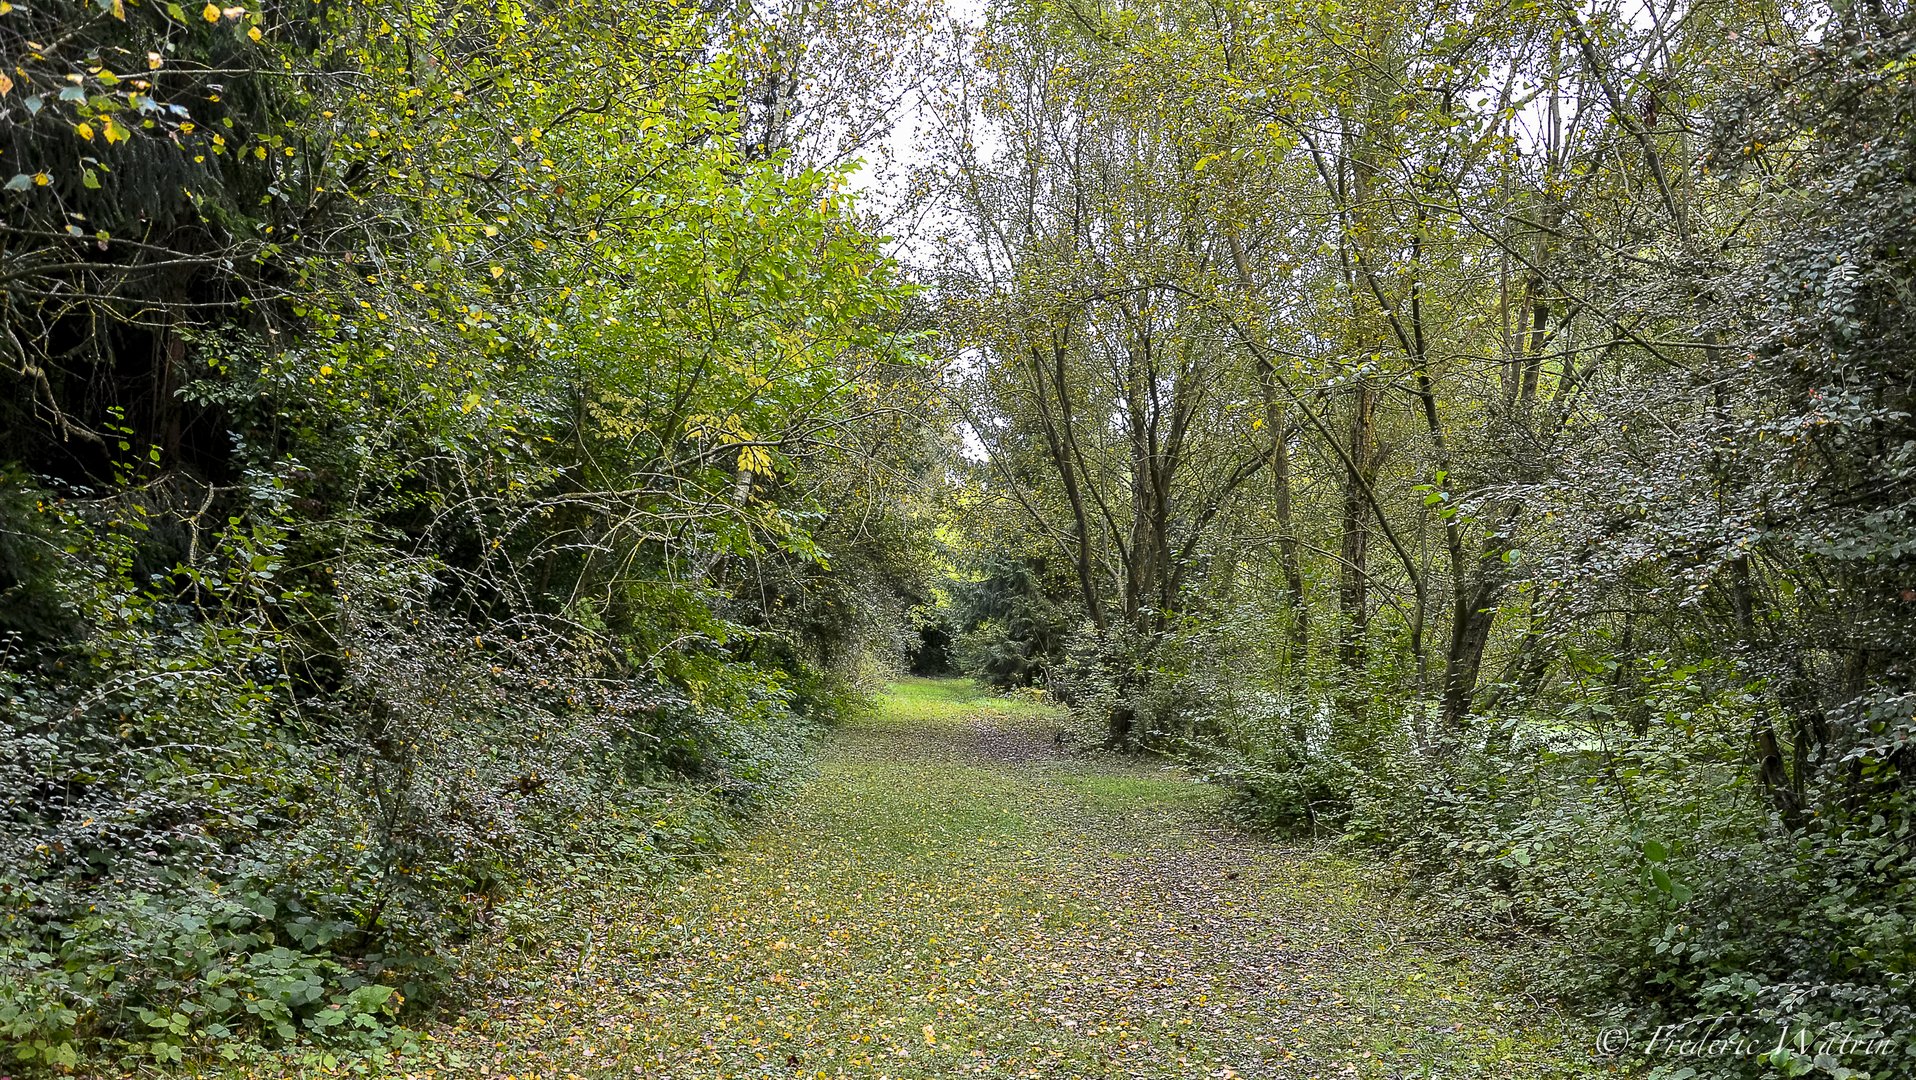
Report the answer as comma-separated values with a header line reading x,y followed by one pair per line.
x,y
954,895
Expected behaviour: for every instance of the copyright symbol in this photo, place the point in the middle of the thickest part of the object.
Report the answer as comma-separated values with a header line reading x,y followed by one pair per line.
x,y
1611,1040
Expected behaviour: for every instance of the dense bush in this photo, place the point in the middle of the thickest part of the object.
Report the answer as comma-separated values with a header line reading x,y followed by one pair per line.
x,y
1585,586
1011,630
1619,837
402,480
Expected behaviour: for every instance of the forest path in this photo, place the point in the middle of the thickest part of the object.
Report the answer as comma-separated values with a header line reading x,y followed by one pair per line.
x,y
953,896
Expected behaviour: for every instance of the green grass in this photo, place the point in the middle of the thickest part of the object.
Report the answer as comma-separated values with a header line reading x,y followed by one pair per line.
x,y
1121,791
920,702
950,896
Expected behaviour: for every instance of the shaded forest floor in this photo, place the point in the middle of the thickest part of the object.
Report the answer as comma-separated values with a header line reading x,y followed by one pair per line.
x,y
952,895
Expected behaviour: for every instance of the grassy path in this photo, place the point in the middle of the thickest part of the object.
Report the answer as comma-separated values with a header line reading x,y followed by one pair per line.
x,y
951,896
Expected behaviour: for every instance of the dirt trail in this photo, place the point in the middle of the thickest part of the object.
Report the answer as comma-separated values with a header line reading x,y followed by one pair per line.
x,y
953,895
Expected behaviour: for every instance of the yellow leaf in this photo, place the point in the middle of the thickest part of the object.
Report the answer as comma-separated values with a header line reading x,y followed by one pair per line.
x,y
84,131
325,369
930,1039
119,10
115,133
210,13
755,459
6,83
498,272
254,33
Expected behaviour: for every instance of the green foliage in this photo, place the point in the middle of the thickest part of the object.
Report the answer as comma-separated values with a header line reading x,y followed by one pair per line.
x,y
1011,631
951,888
1658,871
1548,524
410,438
452,448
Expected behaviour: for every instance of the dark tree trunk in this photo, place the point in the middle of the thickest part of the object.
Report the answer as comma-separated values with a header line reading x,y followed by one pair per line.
x,y
1473,615
1353,588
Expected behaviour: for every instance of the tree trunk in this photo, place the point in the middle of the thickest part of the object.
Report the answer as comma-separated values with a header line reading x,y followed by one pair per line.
x,y
1472,617
1279,423
1060,437
1287,537
1353,588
